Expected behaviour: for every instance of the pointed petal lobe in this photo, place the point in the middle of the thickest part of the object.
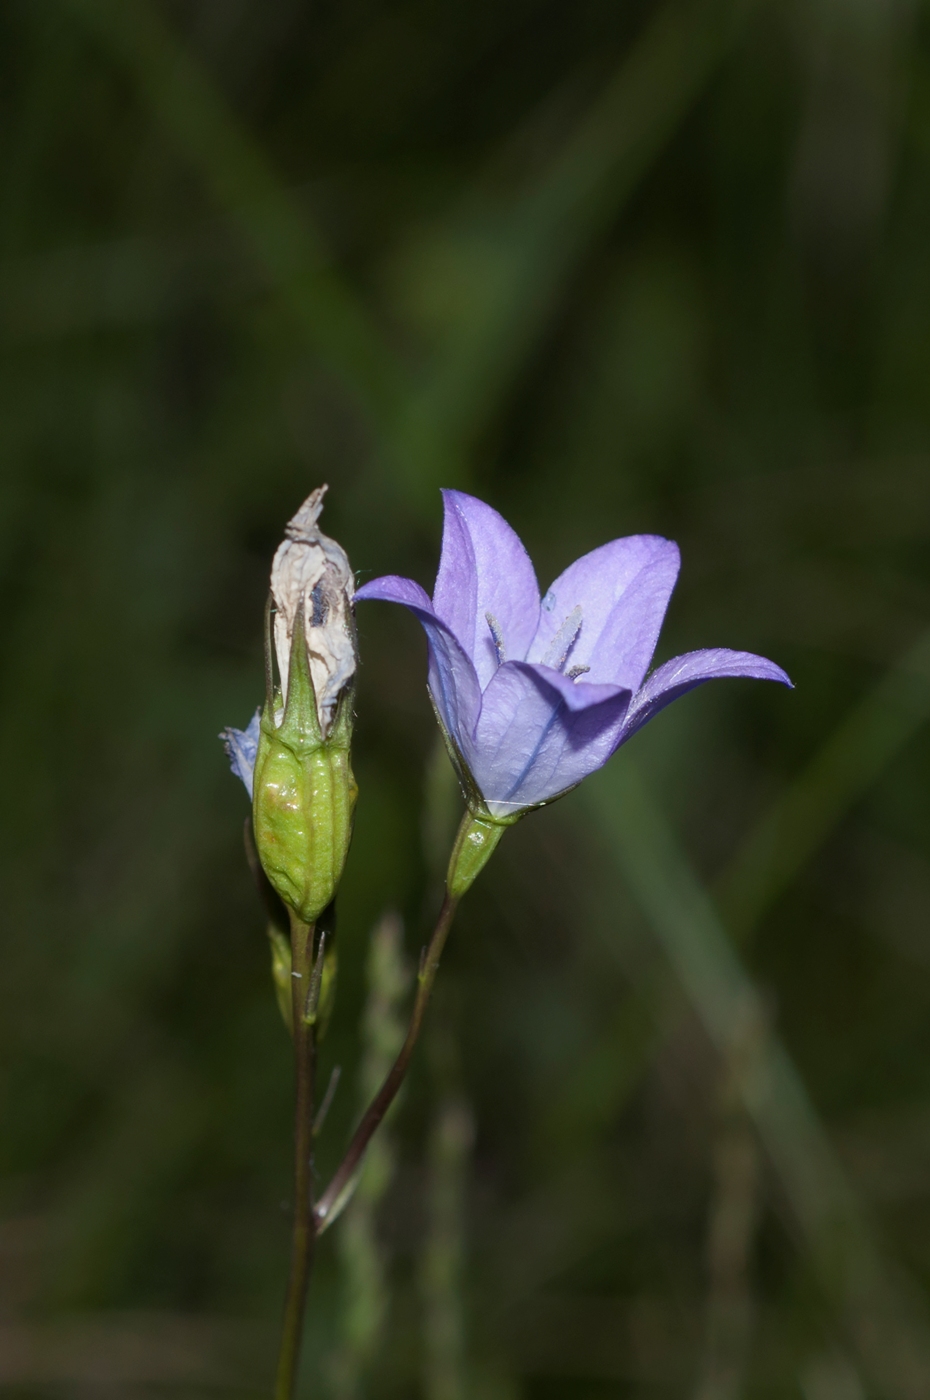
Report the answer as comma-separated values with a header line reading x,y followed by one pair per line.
x,y
683,673
452,680
485,572
391,588
622,590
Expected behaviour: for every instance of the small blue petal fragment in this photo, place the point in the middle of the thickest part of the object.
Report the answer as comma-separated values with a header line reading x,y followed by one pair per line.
x,y
241,746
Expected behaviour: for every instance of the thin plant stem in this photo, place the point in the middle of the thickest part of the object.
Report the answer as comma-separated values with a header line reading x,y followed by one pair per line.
x,y
374,1114
304,1235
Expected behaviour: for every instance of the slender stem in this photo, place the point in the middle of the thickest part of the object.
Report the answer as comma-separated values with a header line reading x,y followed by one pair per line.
x,y
385,1096
304,1236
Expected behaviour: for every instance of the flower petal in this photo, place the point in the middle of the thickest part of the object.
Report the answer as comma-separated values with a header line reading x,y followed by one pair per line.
x,y
576,695
683,673
484,570
391,588
540,733
241,746
452,680
622,591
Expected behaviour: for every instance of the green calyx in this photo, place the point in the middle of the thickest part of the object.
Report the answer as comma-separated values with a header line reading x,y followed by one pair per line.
x,y
304,792
475,844
479,832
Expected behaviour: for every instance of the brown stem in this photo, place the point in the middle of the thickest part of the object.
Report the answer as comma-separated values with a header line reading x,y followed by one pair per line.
x,y
304,1235
388,1092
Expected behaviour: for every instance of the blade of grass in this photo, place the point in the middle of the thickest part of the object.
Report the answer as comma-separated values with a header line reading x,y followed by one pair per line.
x,y
885,1323
847,765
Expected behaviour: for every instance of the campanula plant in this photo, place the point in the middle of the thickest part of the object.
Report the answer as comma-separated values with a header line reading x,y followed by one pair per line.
x,y
532,694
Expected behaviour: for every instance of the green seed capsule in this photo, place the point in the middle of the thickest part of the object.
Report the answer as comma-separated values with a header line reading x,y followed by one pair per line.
x,y
304,792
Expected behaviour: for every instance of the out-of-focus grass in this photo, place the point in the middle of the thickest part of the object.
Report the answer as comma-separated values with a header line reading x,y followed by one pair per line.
x,y
659,268
895,1346
852,759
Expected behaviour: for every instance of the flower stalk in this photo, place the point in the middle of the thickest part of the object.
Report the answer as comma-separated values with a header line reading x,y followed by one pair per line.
x,y
304,974
333,1198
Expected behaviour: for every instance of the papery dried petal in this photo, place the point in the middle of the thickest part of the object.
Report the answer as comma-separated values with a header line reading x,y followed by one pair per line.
x,y
311,569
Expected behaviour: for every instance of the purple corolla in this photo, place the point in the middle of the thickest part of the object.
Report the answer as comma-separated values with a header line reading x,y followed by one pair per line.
x,y
533,694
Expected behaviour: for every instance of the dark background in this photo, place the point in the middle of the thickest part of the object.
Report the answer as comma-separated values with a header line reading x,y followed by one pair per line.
x,y
614,268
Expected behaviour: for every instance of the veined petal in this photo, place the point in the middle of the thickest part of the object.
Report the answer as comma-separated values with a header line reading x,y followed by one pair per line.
x,y
452,680
484,571
683,673
241,746
540,733
575,694
622,591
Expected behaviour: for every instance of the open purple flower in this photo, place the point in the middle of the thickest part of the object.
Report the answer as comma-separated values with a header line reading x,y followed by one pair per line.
x,y
534,694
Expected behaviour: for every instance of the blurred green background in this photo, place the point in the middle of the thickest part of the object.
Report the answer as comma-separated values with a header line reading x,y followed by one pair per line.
x,y
615,268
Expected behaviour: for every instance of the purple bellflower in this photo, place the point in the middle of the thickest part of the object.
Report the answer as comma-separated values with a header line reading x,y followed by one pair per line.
x,y
533,694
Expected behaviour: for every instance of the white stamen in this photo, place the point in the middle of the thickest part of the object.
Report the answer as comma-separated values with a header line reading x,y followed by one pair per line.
x,y
498,637
563,641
